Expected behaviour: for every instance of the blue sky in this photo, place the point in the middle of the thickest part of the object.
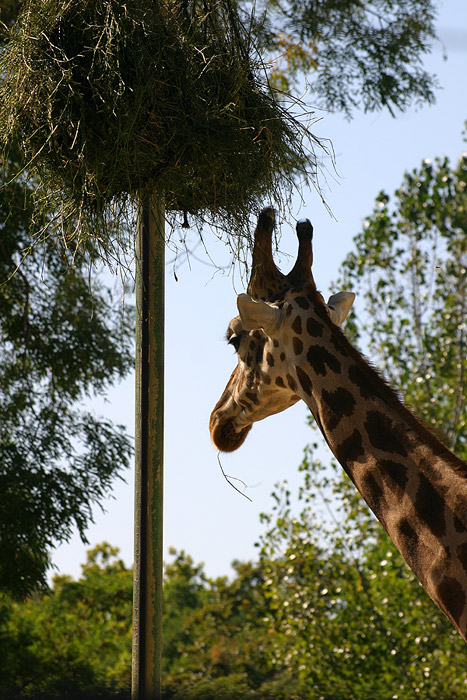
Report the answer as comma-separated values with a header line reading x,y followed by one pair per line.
x,y
203,514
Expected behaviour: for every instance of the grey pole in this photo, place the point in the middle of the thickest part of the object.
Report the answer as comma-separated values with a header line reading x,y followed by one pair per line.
x,y
149,448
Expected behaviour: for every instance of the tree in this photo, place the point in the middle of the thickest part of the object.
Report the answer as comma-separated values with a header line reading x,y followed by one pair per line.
x,y
350,620
410,271
62,339
354,55
406,31
224,638
75,638
186,592
387,90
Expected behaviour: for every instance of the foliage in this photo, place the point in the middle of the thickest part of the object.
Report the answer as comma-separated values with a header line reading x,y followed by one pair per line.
x,y
354,54
111,99
8,14
61,340
186,591
349,618
77,637
225,635
410,271
329,610
108,99
381,43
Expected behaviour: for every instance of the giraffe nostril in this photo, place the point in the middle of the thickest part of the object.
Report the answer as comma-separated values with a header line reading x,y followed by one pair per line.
x,y
226,438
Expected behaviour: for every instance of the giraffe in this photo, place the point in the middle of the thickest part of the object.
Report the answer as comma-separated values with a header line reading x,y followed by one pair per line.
x,y
290,347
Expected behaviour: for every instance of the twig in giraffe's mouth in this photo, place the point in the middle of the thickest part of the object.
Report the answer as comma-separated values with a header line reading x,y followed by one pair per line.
x,y
228,480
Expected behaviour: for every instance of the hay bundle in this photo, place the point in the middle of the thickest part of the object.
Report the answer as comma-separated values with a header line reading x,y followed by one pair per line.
x,y
108,99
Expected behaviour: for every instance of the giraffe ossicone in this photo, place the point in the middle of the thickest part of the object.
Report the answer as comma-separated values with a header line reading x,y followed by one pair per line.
x,y
289,348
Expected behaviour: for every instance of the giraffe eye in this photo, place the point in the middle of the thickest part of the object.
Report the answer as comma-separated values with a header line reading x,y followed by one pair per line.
x,y
234,340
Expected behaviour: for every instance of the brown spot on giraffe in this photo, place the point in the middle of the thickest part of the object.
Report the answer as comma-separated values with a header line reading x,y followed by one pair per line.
x,y
252,397
304,380
314,327
259,353
462,554
430,507
373,493
338,344
319,358
452,596
361,380
413,549
394,474
250,378
409,537
291,382
297,345
341,402
302,302
382,433
350,449
297,325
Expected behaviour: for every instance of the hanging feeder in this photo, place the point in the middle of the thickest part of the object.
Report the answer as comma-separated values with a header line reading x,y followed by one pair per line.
x,y
110,99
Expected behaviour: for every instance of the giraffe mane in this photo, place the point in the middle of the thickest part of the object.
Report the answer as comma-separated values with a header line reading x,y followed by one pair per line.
x,y
386,391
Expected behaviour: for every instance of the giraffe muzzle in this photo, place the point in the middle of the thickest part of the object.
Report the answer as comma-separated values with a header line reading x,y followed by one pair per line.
x,y
224,435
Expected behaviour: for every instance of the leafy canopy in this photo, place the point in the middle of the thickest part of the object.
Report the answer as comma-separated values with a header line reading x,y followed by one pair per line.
x,y
110,101
409,268
74,641
62,339
354,54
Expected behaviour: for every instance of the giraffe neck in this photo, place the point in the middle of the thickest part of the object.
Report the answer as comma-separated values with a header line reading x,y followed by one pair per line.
x,y
414,485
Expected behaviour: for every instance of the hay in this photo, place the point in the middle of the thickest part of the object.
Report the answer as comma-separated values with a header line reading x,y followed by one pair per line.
x,y
110,99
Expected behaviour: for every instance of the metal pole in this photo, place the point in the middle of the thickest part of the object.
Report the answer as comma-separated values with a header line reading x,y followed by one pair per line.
x,y
149,434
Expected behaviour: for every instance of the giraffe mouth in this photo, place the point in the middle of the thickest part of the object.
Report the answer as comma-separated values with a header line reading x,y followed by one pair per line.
x,y
225,437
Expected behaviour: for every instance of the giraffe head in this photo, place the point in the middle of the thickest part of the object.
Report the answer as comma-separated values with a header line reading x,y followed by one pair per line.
x,y
266,336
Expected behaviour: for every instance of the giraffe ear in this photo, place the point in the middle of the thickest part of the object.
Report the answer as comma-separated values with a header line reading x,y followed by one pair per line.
x,y
258,314
339,306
